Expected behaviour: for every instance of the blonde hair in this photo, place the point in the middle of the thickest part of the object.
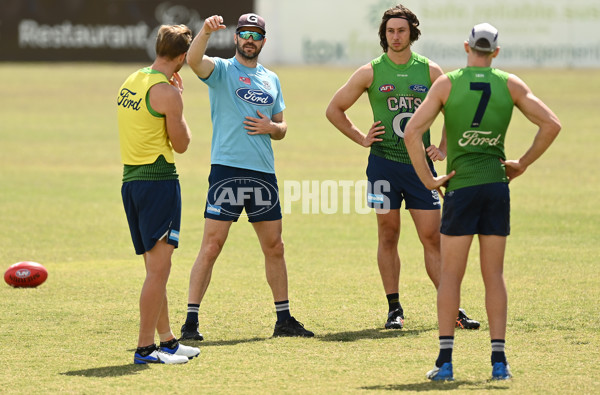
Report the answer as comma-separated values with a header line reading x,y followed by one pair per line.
x,y
173,40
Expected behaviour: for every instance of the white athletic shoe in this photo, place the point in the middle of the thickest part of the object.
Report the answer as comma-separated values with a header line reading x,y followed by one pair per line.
x,y
159,356
182,350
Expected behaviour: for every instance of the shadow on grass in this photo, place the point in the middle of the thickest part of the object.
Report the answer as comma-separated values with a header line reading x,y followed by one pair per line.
x,y
374,333
351,336
213,343
460,385
108,371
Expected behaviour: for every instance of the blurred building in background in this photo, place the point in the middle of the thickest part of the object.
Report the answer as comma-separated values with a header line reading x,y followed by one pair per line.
x,y
552,33
533,33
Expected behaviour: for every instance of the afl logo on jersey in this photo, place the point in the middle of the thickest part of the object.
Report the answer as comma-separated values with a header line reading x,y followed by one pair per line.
x,y
254,96
418,88
387,88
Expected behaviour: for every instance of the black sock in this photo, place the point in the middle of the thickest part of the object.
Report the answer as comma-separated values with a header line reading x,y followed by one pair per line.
x,y
498,354
192,314
283,310
393,302
170,344
145,351
446,347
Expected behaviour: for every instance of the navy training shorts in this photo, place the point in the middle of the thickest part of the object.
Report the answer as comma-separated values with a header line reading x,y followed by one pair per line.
x,y
390,182
153,210
232,190
480,209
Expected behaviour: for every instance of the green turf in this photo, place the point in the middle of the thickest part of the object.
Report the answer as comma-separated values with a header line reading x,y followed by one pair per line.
x,y
60,205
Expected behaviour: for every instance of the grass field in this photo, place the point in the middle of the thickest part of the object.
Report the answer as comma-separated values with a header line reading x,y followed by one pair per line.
x,y
60,177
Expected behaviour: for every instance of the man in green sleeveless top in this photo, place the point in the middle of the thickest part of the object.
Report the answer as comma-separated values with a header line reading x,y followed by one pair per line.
x,y
151,126
396,82
477,102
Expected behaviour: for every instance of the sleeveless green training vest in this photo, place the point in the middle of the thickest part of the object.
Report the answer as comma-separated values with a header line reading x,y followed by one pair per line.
x,y
477,114
395,94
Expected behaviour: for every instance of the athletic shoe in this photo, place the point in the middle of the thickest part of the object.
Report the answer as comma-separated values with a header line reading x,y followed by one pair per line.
x,y
395,319
464,322
291,328
159,356
443,373
501,371
180,349
190,332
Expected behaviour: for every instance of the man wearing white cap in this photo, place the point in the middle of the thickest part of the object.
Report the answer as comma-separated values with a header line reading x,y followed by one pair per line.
x,y
247,113
477,101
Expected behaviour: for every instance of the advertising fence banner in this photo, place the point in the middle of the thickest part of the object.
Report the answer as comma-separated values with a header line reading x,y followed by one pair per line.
x,y
107,30
551,33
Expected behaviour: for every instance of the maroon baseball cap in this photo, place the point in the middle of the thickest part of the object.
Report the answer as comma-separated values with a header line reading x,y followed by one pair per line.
x,y
248,20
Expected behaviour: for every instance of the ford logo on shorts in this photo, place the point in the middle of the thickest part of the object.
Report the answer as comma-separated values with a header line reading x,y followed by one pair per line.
x,y
419,88
255,96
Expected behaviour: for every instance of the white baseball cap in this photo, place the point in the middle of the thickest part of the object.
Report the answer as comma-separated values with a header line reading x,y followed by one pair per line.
x,y
488,34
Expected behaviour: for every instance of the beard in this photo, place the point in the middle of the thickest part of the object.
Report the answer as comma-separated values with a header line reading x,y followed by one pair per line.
x,y
249,56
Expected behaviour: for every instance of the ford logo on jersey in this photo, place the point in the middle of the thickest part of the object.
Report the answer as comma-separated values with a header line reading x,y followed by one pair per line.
x,y
255,96
419,88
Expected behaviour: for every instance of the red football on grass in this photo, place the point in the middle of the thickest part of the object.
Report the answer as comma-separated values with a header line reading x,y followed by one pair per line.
x,y
25,275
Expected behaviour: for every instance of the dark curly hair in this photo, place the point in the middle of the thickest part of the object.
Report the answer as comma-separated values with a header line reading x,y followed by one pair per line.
x,y
402,12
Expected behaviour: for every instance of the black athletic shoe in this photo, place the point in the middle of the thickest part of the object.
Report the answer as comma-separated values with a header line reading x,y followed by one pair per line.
x,y
291,328
464,322
395,319
189,332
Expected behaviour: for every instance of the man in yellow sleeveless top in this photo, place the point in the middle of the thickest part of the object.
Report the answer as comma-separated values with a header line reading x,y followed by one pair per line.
x,y
151,126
